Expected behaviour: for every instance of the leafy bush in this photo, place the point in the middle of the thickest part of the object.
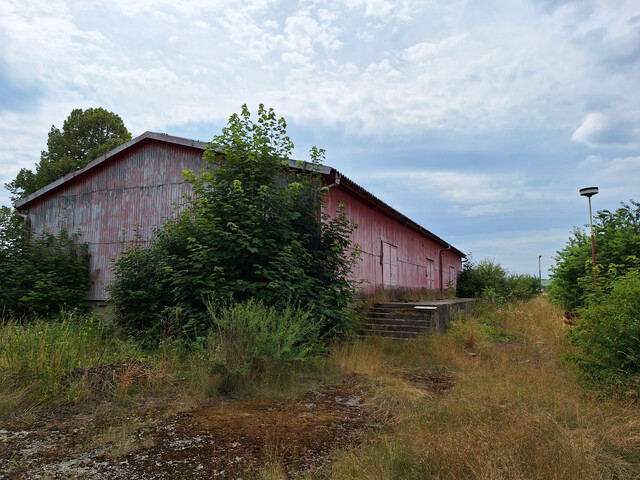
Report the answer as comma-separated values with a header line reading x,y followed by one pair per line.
x,y
617,242
41,275
251,230
608,332
491,281
247,336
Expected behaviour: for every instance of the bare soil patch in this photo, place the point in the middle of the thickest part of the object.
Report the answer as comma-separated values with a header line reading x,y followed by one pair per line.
x,y
166,440
437,385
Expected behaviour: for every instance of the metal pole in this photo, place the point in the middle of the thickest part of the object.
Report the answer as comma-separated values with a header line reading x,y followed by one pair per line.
x,y
593,247
540,271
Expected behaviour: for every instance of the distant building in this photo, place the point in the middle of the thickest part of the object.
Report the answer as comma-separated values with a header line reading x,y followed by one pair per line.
x,y
130,190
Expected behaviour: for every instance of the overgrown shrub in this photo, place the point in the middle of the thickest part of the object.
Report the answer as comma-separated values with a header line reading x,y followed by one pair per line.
x,y
41,275
247,336
617,242
251,230
608,333
489,280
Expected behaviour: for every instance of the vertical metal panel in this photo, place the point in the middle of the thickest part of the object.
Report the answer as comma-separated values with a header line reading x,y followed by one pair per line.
x,y
128,197
417,255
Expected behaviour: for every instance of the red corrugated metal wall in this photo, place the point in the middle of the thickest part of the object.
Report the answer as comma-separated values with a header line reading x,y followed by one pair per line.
x,y
135,189
420,260
131,193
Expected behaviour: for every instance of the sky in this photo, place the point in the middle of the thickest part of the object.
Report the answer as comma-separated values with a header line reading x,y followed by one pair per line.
x,y
478,120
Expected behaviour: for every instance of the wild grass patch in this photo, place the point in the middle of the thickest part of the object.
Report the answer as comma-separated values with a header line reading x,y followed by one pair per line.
x,y
38,358
517,410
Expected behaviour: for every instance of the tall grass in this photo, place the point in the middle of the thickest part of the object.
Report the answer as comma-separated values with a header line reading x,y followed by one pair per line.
x,y
248,340
517,410
37,358
250,347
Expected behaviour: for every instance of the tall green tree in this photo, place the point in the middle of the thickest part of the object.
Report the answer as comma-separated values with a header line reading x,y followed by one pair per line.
x,y
617,242
85,135
253,229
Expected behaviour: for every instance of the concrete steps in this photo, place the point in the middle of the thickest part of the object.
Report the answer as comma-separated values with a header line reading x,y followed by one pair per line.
x,y
405,320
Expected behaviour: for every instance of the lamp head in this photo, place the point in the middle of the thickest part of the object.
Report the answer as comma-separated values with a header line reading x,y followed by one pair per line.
x,y
588,191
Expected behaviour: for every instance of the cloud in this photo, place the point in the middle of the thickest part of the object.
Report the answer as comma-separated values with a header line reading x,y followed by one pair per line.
x,y
621,170
616,177
518,250
469,194
373,8
428,51
445,71
601,129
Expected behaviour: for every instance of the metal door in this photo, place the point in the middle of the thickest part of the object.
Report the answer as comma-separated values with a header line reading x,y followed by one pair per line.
x,y
431,284
389,265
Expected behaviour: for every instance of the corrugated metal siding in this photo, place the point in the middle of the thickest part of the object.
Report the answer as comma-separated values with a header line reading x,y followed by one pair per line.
x,y
133,193
130,192
413,249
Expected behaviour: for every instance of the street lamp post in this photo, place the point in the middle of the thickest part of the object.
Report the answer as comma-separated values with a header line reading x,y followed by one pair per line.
x,y
540,270
590,192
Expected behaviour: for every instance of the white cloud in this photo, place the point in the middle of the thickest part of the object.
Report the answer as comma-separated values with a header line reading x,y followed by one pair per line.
x,y
456,73
592,161
598,129
470,194
517,251
373,8
430,51
617,178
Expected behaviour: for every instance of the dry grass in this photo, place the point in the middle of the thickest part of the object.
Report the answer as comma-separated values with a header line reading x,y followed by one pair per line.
x,y
516,409
516,412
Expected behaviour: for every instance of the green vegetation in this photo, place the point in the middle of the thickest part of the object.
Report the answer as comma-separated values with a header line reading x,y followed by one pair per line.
x,y
85,135
42,275
493,397
37,358
608,335
490,281
248,337
515,410
42,362
617,241
251,231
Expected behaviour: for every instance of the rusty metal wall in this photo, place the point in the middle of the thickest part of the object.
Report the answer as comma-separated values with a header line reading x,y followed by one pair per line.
x,y
129,195
414,250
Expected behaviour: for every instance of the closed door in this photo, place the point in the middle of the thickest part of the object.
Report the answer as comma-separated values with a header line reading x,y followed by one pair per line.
x,y
430,274
389,265
452,277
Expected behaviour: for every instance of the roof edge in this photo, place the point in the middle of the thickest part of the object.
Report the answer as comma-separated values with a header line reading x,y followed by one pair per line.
x,y
197,144
161,137
380,204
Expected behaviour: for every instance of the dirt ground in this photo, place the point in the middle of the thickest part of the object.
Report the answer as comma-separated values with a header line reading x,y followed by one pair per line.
x,y
170,439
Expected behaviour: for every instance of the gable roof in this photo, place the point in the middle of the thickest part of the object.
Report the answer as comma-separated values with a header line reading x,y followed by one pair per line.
x,y
108,157
325,170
